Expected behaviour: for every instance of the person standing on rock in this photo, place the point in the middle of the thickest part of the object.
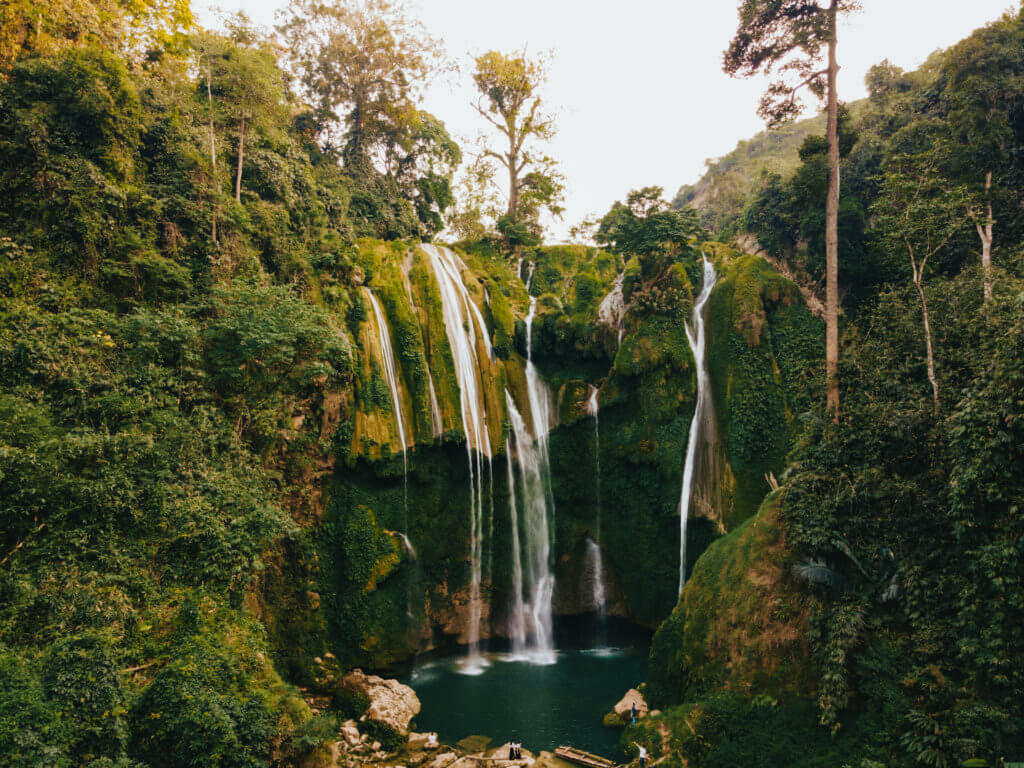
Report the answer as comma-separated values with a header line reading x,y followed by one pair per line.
x,y
641,755
633,712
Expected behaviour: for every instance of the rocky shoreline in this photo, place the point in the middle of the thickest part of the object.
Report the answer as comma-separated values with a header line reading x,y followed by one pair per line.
x,y
381,735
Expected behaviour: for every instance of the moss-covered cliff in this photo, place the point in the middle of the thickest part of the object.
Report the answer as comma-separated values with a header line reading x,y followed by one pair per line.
x,y
741,624
764,354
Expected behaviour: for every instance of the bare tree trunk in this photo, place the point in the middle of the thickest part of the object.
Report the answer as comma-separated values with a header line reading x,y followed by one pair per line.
x,y
985,233
213,152
832,226
241,150
927,333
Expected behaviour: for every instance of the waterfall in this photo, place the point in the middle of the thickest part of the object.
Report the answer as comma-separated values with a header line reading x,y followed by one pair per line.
x,y
612,310
436,420
517,626
540,401
465,328
537,579
409,548
529,275
592,573
594,570
390,370
703,424
391,375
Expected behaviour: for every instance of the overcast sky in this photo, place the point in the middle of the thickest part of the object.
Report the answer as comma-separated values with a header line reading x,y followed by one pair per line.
x,y
637,85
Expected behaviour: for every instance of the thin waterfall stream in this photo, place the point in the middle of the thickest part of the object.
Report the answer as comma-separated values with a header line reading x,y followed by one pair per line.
x,y
391,375
593,566
703,424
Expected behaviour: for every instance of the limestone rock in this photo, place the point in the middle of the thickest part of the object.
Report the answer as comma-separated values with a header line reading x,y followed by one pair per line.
x,y
391,703
349,732
625,706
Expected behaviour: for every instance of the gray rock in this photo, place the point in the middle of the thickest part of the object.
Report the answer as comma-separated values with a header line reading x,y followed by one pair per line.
x,y
391,703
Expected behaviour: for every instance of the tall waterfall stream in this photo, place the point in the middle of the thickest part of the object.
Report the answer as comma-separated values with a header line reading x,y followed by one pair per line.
x,y
702,426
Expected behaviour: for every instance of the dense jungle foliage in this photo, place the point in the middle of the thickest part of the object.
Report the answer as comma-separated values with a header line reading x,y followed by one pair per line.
x,y
200,475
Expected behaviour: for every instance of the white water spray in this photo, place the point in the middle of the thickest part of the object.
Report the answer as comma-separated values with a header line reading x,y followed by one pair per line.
x,y
703,423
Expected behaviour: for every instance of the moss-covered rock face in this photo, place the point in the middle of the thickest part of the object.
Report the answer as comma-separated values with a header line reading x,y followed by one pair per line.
x,y
764,355
404,603
741,624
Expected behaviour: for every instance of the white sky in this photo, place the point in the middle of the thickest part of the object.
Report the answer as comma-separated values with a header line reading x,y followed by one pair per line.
x,y
637,85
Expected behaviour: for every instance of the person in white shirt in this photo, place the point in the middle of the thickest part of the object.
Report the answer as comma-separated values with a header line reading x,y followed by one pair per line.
x,y
642,755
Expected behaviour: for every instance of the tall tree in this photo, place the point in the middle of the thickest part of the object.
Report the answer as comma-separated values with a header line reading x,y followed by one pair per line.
x,y
365,59
249,82
510,101
788,36
918,213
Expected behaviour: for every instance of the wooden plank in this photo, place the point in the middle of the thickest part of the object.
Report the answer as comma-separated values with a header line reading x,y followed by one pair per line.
x,y
580,757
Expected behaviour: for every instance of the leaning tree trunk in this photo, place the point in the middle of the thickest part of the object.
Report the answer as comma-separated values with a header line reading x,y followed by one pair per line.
x,y
918,274
241,150
832,226
985,233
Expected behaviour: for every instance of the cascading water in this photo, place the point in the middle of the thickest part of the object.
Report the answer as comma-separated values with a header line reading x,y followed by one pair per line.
x,y
611,312
390,369
391,375
703,424
517,623
436,419
465,328
540,404
538,582
594,568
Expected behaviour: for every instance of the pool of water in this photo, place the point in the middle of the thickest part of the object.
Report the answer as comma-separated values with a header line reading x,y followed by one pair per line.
x,y
542,702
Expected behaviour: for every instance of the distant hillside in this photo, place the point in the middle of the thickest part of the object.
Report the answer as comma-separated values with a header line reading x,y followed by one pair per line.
x,y
722,192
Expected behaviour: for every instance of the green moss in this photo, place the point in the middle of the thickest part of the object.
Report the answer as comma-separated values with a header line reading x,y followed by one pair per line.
x,y
764,350
727,730
407,343
499,313
741,624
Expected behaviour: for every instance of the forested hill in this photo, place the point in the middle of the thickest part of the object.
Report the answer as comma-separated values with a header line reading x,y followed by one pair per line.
x,y
722,194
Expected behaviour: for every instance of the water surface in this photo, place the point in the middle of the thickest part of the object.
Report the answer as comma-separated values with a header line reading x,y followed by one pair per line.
x,y
545,703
